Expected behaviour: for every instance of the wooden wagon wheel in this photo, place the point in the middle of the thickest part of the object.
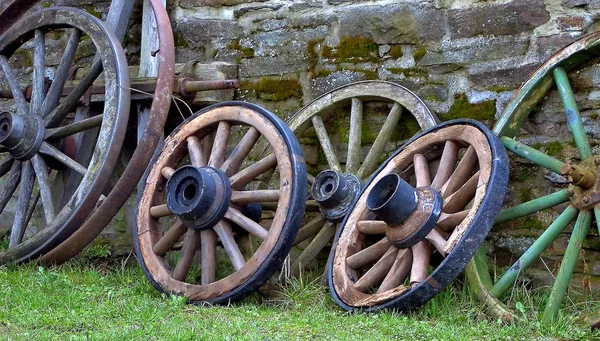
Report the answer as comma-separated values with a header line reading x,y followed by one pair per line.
x,y
350,108
430,205
201,194
144,150
575,203
50,155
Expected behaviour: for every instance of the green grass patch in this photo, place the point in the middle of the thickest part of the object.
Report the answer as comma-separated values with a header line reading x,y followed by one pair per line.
x,y
114,301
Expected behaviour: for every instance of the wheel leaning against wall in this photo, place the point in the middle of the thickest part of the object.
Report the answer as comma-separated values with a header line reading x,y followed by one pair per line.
x,y
201,189
577,203
419,210
337,123
49,156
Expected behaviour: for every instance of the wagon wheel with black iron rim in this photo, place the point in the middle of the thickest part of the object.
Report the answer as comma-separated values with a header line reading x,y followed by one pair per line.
x,y
352,128
55,163
199,204
419,219
146,145
575,201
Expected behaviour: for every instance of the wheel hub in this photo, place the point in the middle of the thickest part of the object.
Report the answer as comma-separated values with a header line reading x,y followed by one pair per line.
x,y
22,135
335,192
409,213
584,190
199,196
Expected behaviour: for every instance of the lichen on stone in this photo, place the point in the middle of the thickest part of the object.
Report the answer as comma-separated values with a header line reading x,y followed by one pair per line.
x,y
274,90
353,49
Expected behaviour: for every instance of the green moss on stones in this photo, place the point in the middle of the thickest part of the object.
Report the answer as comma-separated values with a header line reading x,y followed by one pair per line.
x,y
321,73
406,128
247,52
554,148
396,52
523,173
352,50
47,4
525,194
25,57
91,10
482,111
179,40
594,116
274,90
409,72
498,88
419,53
99,248
312,55
530,224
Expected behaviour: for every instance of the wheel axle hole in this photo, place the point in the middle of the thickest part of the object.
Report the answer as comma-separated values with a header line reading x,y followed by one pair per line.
x,y
4,127
328,188
190,191
382,192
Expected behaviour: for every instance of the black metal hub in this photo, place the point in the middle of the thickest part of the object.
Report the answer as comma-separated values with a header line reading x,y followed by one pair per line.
x,y
335,192
409,213
199,196
22,135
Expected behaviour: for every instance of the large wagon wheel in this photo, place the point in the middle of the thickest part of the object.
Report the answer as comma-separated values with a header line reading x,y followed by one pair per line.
x,y
421,209
577,202
146,146
202,195
349,109
51,156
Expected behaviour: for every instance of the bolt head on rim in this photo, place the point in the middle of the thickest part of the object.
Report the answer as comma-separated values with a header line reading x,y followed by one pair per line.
x,y
199,196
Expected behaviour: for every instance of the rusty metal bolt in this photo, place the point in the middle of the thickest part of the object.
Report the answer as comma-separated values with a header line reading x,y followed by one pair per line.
x,y
586,200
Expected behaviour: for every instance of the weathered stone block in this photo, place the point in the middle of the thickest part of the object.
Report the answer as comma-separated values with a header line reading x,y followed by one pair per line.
x,y
264,66
195,30
547,46
479,49
502,19
571,23
215,3
394,23
576,3
509,76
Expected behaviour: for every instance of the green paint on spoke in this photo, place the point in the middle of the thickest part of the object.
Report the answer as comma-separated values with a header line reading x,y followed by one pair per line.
x,y
567,266
597,214
532,154
573,117
534,251
532,206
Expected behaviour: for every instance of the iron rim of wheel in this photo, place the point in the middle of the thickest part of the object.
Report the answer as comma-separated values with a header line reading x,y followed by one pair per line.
x,y
580,173
378,262
51,112
332,207
238,170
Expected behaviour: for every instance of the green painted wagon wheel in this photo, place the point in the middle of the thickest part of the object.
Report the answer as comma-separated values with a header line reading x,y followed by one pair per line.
x,y
56,160
581,198
335,124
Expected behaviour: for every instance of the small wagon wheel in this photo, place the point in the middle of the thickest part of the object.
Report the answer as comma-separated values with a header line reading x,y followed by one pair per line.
x,y
577,203
146,146
420,209
350,108
49,155
200,194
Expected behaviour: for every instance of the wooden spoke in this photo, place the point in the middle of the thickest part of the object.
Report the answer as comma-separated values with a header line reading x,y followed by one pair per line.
x,y
41,173
421,257
197,155
370,163
246,223
437,240
459,199
160,211
39,54
447,222
241,151
12,181
378,271
167,172
74,128
223,230
325,142
56,116
354,138
461,174
447,163
208,259
368,255
5,164
187,253
315,246
310,229
61,74
244,197
173,234
421,170
13,84
398,272
217,154
56,154
25,190
371,226
242,178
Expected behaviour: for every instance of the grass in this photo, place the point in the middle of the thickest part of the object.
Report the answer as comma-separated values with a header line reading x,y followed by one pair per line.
x,y
114,301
